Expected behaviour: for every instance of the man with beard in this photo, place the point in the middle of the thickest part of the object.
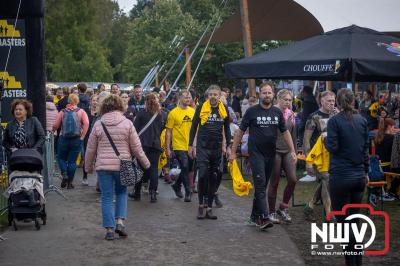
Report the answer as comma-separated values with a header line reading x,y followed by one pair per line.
x,y
263,121
210,122
178,126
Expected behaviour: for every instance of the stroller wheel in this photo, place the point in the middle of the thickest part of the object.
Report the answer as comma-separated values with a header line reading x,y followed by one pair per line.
x,y
37,224
44,220
15,225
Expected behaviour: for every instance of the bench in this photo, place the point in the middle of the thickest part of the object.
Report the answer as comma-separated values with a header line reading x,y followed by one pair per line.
x,y
380,184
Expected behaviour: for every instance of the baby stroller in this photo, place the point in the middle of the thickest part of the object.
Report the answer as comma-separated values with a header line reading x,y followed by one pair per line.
x,y
25,193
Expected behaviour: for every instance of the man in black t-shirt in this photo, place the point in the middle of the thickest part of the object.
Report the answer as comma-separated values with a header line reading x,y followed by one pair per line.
x,y
263,121
210,122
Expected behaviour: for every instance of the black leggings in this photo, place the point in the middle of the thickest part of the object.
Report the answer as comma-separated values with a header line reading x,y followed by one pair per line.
x,y
150,174
207,164
342,192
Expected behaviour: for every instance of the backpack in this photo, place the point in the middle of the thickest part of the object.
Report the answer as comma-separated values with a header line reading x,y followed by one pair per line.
x,y
71,126
375,171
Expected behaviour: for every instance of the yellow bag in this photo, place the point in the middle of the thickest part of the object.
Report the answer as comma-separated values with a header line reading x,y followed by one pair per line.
x,y
240,187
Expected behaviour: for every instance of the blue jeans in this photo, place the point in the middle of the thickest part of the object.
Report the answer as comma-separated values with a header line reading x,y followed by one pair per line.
x,y
68,151
183,160
110,181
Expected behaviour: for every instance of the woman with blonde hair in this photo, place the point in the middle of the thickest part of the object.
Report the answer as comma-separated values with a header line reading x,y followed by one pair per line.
x,y
74,124
151,121
283,160
101,156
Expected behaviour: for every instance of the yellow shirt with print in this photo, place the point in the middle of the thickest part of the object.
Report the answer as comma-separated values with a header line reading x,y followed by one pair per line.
x,y
180,121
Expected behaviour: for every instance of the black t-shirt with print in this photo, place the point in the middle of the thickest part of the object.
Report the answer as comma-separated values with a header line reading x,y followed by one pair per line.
x,y
209,135
263,127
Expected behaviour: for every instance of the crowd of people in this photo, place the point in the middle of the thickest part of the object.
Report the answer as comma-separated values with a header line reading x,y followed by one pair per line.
x,y
187,139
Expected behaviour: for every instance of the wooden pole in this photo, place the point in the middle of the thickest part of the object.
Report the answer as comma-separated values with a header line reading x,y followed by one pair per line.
x,y
188,67
247,41
328,85
157,80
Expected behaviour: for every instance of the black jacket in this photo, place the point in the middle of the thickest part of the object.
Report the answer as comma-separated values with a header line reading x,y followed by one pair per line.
x,y
151,137
34,135
347,143
62,104
84,102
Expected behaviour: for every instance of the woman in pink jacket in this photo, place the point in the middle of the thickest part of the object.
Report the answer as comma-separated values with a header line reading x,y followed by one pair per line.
x,y
101,156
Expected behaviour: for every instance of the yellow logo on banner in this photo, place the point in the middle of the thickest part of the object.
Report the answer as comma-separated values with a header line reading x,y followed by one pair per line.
x,y
7,30
9,81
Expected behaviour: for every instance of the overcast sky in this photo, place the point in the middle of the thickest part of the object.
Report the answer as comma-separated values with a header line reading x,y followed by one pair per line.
x,y
126,5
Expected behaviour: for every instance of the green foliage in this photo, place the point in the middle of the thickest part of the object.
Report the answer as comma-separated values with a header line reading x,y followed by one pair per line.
x,y
75,33
150,38
93,40
138,9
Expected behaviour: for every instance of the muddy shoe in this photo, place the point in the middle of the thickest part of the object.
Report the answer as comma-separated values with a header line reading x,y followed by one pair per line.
x,y
188,197
285,215
264,223
309,213
273,217
153,196
177,191
210,215
120,230
200,213
218,203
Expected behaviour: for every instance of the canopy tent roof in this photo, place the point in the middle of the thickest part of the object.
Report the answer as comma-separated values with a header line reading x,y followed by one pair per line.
x,y
300,19
345,54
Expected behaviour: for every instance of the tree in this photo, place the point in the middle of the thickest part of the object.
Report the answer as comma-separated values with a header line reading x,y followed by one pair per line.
x,y
76,32
138,9
150,37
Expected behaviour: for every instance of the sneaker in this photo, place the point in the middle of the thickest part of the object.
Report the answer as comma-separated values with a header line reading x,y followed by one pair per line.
x,y
264,223
273,217
120,230
85,182
285,215
188,197
109,235
388,197
309,213
177,191
251,221
70,186
210,215
145,188
200,213
308,178
218,203
373,200
64,180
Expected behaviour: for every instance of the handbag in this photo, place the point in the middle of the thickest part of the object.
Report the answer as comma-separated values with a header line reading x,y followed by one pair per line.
x,y
130,171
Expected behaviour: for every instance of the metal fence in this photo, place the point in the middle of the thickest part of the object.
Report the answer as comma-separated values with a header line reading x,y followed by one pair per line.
x,y
3,188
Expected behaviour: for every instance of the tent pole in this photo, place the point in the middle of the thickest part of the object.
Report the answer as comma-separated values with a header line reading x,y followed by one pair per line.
x,y
188,66
247,42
